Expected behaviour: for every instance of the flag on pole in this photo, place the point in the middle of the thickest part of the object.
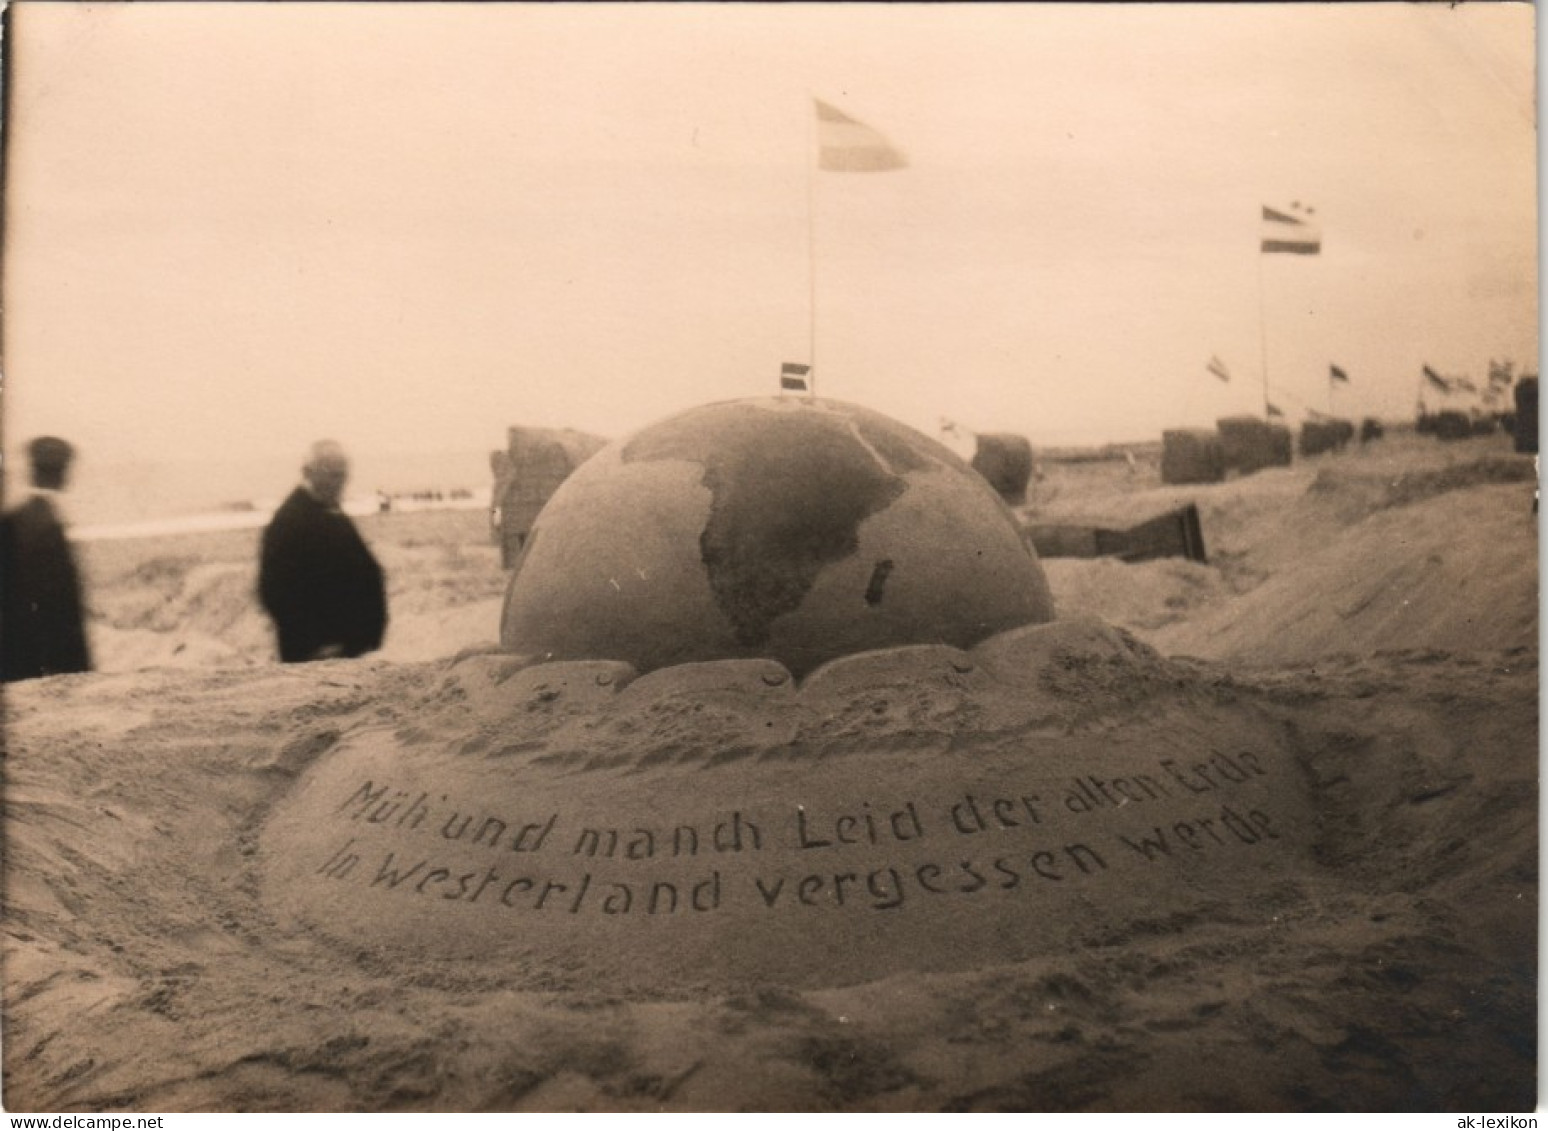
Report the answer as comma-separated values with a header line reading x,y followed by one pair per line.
x,y
847,146
1436,380
1217,367
1337,374
1272,409
792,377
1290,230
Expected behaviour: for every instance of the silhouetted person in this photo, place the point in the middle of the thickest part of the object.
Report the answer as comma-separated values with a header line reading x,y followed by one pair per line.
x,y
316,577
42,626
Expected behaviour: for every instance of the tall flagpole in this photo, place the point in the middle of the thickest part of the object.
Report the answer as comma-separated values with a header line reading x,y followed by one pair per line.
x,y
1263,337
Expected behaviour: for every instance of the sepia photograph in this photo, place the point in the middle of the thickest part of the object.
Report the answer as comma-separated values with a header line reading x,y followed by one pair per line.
x,y
736,558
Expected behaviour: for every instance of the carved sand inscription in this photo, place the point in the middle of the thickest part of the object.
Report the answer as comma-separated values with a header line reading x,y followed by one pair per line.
x,y
812,857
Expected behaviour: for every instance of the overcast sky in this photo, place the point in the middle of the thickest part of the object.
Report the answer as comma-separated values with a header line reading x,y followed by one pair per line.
x,y
231,229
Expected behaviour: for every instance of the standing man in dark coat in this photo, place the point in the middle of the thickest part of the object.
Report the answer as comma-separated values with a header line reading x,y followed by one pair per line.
x,y
316,577
42,627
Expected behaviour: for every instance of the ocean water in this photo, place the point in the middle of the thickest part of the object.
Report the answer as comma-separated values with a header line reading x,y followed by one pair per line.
x,y
145,497
149,497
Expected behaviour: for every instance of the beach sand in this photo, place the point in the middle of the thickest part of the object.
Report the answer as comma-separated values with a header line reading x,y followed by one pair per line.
x,y
1332,724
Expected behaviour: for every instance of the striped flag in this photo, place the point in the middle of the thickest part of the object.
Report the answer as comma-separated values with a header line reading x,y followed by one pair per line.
x,y
792,377
1436,380
1337,374
1290,230
1218,368
847,146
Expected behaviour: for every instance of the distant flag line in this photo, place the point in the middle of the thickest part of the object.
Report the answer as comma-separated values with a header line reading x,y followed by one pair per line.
x,y
1498,379
1295,231
843,145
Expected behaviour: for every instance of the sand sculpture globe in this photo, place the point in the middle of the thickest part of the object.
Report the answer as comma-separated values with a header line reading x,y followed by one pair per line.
x,y
794,529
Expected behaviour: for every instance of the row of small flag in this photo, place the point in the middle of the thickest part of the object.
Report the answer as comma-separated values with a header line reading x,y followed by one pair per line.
x,y
1500,377
1218,368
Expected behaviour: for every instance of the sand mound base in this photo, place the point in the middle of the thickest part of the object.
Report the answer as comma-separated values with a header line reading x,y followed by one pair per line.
x,y
177,938
713,825
1449,567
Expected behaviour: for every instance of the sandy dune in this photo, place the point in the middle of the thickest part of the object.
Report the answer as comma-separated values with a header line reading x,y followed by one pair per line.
x,y
917,880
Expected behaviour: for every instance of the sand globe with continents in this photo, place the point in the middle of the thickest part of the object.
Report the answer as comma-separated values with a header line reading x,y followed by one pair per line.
x,y
788,529
781,694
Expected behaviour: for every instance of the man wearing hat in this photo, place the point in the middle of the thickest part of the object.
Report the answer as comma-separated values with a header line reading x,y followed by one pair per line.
x,y
42,629
316,577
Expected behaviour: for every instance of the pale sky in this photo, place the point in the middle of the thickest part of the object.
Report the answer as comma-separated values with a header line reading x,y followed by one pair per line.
x,y
231,229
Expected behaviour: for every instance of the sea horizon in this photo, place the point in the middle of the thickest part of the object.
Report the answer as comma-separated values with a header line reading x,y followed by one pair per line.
x,y
148,493
150,496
